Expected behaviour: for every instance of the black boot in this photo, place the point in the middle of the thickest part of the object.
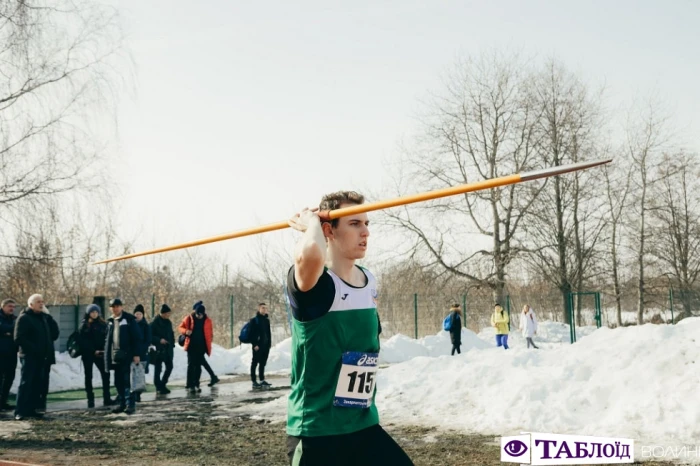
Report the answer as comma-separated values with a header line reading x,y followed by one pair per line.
x,y
91,400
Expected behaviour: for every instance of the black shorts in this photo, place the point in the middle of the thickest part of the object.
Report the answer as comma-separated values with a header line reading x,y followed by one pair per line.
x,y
367,447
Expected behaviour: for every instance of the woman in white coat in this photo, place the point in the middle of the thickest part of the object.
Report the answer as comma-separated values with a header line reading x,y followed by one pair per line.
x,y
528,325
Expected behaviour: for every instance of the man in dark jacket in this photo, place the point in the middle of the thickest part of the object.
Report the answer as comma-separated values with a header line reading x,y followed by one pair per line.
x,y
140,315
54,331
261,339
34,331
8,352
163,338
122,347
456,328
92,335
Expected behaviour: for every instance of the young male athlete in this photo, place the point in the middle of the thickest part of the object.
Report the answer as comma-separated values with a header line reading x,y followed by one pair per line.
x,y
331,415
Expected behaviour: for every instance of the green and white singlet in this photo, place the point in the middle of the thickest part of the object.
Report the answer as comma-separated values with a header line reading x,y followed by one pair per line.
x,y
333,323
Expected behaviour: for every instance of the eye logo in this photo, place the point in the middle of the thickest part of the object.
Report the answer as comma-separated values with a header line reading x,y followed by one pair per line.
x,y
515,448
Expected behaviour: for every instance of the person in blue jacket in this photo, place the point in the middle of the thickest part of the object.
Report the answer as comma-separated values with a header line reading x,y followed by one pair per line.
x,y
456,328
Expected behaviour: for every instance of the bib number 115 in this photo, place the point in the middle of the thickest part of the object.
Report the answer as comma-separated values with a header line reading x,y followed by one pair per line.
x,y
363,381
355,386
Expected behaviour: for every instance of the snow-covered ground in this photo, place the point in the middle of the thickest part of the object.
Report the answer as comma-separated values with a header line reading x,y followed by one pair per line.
x,y
637,382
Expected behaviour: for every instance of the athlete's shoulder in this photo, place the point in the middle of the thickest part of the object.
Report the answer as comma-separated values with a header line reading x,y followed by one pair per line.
x,y
367,272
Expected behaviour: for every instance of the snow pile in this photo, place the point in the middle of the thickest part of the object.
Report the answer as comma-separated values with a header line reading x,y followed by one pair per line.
x,y
637,382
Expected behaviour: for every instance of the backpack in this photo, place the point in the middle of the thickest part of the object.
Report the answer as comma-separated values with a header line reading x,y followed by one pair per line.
x,y
447,323
73,345
245,335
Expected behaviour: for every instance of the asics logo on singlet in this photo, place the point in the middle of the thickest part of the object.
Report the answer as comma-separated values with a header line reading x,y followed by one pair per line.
x,y
344,296
367,360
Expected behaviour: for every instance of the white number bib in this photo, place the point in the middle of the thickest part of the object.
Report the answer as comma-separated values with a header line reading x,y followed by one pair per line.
x,y
356,380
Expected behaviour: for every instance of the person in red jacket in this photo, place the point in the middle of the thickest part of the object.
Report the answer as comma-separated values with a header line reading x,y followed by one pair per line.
x,y
199,334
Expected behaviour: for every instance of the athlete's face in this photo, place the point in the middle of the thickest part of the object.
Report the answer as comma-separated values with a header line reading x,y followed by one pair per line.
x,y
350,236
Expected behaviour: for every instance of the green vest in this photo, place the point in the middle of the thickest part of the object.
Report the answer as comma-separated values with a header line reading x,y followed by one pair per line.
x,y
317,349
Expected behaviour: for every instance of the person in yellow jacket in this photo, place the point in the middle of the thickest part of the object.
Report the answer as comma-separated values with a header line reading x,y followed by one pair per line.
x,y
500,320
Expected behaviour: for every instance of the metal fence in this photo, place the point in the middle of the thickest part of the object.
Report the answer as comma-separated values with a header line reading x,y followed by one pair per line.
x,y
412,314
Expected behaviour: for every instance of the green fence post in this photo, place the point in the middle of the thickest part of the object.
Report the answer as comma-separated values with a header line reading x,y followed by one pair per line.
x,y
415,314
231,318
598,316
572,328
464,309
77,312
153,305
670,300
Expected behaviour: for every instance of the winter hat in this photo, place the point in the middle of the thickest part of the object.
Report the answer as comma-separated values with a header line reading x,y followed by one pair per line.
x,y
139,308
164,309
199,307
92,307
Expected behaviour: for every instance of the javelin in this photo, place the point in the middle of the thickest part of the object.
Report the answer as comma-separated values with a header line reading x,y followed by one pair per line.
x,y
371,206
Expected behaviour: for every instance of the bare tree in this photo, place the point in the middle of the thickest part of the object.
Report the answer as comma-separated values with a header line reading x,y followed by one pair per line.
x,y
481,128
675,215
58,71
645,138
560,233
617,188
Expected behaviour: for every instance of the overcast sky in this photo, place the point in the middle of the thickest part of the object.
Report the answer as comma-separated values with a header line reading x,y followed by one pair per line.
x,y
247,111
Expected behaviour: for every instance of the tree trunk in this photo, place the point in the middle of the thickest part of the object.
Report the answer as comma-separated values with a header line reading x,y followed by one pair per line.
x,y
616,276
640,255
565,285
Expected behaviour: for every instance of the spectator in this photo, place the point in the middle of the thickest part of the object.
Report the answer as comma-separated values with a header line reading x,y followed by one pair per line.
x,y
500,320
213,379
8,352
122,347
456,328
33,335
163,338
528,325
92,336
199,332
261,340
140,316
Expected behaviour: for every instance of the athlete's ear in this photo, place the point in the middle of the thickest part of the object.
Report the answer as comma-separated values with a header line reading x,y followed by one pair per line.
x,y
327,229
